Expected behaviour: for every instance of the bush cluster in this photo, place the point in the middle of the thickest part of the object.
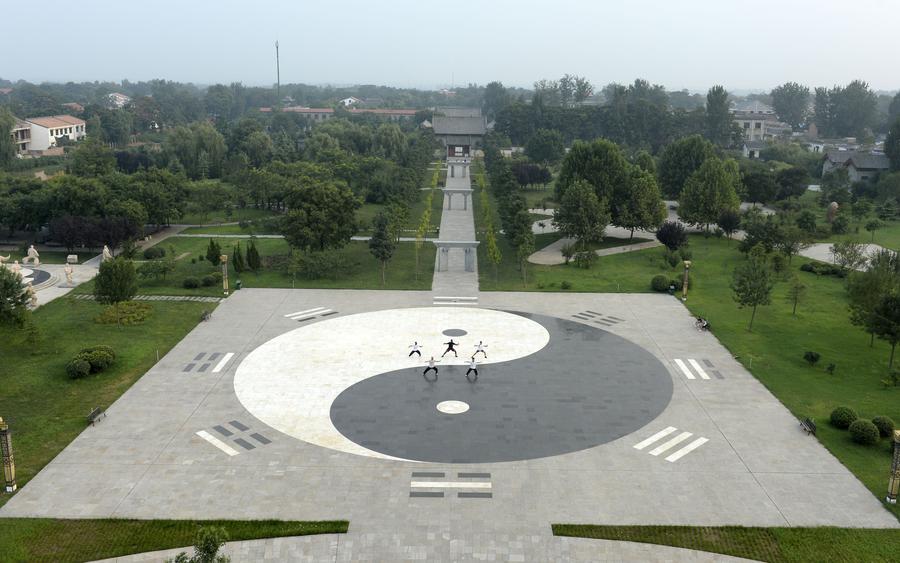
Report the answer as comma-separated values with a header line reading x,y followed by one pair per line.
x,y
586,259
208,281
659,283
823,269
190,282
843,417
885,425
129,313
154,252
90,360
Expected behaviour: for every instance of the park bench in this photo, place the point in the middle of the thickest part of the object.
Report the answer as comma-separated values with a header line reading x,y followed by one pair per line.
x,y
808,426
96,414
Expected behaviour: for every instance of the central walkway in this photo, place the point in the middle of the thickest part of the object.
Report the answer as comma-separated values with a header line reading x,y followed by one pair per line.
x,y
457,226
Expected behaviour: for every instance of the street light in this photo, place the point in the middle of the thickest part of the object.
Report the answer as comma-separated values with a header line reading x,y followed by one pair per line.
x,y
224,260
894,482
6,453
684,286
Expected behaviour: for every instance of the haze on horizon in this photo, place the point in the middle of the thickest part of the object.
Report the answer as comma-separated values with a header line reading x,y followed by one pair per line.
x,y
425,44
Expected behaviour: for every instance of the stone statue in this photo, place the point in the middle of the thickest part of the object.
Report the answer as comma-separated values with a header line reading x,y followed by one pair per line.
x,y
832,211
4,259
32,296
107,255
33,257
69,273
16,268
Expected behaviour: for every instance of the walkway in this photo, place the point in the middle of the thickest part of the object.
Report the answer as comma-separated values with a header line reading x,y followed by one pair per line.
x,y
457,224
364,547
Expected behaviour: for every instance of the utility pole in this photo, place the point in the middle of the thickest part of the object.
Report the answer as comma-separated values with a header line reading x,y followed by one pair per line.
x,y
278,74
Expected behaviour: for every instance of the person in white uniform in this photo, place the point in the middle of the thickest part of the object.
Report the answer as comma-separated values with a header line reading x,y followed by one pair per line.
x,y
473,367
431,365
415,349
480,347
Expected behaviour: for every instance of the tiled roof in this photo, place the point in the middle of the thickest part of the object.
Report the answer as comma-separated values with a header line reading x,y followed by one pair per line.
x,y
861,160
458,125
55,121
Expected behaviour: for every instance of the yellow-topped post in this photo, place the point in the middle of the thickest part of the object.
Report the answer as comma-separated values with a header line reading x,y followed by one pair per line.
x,y
6,454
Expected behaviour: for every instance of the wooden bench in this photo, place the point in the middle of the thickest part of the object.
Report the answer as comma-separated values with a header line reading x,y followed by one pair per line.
x,y
96,414
808,426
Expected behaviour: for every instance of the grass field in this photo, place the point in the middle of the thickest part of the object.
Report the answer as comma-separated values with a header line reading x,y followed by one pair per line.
x,y
44,408
363,271
221,216
58,541
249,230
366,214
775,545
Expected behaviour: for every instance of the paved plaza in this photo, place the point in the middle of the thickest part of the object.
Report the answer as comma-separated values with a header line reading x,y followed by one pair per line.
x,y
304,404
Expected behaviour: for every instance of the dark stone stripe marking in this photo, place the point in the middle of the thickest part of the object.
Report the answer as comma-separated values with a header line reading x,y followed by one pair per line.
x,y
244,444
204,367
199,356
260,438
239,426
426,494
582,318
718,374
212,357
428,474
329,314
474,495
615,318
588,314
602,322
222,430
474,475
595,312
189,367
707,363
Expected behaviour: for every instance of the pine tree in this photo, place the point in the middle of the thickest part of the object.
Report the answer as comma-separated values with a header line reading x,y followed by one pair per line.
x,y
237,259
382,244
253,260
213,252
115,282
493,251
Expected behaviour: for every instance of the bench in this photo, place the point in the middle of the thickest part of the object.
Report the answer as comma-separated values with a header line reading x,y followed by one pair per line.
x,y
808,426
96,414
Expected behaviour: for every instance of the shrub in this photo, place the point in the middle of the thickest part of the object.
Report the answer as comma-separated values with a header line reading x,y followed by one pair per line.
x,y
671,234
842,417
840,225
863,432
779,263
830,368
154,252
217,276
190,283
568,251
885,425
670,257
685,253
193,260
586,259
565,285
812,358
78,368
130,312
208,281
823,269
660,283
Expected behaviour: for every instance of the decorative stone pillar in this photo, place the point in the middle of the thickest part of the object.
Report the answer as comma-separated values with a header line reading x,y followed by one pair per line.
x,y
452,171
449,200
7,458
894,482
470,258
443,258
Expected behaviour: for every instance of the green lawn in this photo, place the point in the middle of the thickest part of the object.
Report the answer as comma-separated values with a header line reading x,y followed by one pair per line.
x,y
57,541
537,198
249,230
776,545
221,216
773,352
44,408
363,270
366,214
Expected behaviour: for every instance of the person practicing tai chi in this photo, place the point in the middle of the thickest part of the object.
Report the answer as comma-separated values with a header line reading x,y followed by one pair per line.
x,y
431,365
415,349
473,367
480,347
450,348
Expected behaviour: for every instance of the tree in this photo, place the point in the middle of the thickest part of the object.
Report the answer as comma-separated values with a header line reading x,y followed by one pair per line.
x,y
760,186
645,161
495,100
600,163
849,255
712,189
679,160
493,251
640,205
752,283
398,216
892,145
93,159
7,146
792,182
796,293
719,123
13,298
423,227
729,221
237,259
209,541
320,216
873,226
253,259
790,240
845,111
581,214
115,282
213,252
886,322
791,103
861,209
545,146
672,234
867,288
382,244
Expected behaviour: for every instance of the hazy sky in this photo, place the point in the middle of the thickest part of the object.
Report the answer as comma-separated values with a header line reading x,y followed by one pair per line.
x,y
426,43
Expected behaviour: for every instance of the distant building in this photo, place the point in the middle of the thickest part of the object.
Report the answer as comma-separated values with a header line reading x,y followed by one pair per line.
x,y
460,130
757,120
117,100
351,101
74,106
21,136
752,149
752,107
321,114
860,166
46,130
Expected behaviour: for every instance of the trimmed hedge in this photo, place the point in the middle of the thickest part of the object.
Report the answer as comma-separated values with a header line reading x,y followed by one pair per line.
x,y
190,283
823,269
660,283
92,359
863,432
885,426
843,417
154,252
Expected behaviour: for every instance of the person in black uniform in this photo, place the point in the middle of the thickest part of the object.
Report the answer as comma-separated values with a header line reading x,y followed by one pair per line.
x,y
450,348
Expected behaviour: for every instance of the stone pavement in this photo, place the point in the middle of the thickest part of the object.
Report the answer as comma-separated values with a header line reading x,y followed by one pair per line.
x,y
822,251
457,224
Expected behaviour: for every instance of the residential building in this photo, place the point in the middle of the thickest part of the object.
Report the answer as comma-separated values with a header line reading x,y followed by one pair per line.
x,y
46,130
757,120
118,100
351,101
860,166
74,106
317,115
752,149
21,136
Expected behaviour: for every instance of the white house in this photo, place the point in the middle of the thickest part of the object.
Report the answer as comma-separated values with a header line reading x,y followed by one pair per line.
x,y
351,101
46,130
860,166
118,100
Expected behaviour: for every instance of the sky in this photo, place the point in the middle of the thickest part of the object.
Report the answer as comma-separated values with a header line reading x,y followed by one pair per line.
x,y
691,44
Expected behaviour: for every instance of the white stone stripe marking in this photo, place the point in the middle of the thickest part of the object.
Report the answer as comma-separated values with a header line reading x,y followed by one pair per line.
x,y
687,449
673,442
684,369
301,313
655,437
460,298
217,443
696,365
313,315
450,485
222,362
454,304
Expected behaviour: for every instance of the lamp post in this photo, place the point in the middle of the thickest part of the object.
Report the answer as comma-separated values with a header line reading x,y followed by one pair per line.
x,y
684,286
224,260
9,462
894,482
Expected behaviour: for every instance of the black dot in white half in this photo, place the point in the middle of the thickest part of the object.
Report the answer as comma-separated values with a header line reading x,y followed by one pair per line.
x,y
454,332
586,387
